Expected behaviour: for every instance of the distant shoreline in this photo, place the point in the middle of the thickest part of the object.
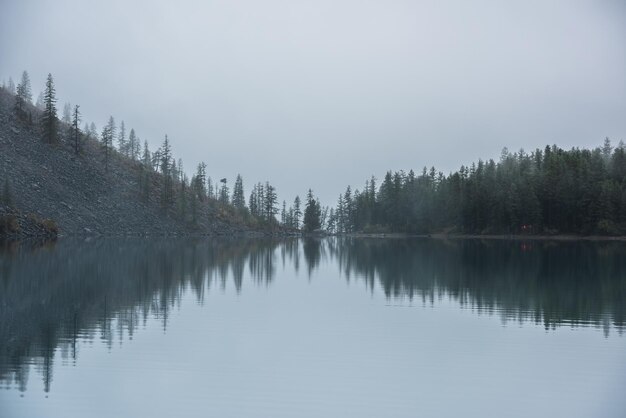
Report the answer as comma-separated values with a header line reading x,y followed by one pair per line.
x,y
517,237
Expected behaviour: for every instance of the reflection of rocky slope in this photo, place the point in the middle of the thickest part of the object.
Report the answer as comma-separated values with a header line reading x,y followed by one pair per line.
x,y
51,295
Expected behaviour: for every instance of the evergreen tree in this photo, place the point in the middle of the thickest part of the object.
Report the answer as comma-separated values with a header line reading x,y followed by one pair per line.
x,y
134,146
27,94
199,181
108,133
49,119
20,102
11,86
271,200
40,104
224,193
283,214
166,170
209,187
252,202
183,197
312,214
93,131
146,159
297,212
122,145
76,129
67,113
239,200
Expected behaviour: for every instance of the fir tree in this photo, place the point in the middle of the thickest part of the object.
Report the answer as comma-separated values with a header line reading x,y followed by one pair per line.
x,y
297,212
108,133
122,145
311,214
76,129
49,118
133,145
239,200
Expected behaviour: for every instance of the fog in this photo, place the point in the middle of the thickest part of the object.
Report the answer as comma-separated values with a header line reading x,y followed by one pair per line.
x,y
323,94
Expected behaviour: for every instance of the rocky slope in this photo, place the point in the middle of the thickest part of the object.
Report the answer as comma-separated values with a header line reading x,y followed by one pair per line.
x,y
49,181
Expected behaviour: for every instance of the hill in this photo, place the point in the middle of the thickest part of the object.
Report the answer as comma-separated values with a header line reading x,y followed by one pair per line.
x,y
82,196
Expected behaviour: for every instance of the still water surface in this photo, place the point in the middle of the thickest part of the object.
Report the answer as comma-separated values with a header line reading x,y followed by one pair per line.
x,y
312,328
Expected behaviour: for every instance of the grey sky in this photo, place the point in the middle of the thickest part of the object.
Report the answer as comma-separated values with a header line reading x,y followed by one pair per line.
x,y
322,94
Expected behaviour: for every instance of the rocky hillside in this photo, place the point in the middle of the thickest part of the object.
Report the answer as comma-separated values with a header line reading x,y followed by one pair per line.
x,y
82,197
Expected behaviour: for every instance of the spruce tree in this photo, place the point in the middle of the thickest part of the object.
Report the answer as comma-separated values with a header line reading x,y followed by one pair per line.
x,y
311,213
297,212
146,160
27,94
239,200
19,102
49,119
76,129
271,200
133,145
166,170
199,181
122,145
108,133
67,113
40,101
11,86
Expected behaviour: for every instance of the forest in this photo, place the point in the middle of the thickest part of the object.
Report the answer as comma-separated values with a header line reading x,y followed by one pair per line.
x,y
547,191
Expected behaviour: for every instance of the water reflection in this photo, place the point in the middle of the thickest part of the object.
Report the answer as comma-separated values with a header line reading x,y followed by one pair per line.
x,y
56,294
553,283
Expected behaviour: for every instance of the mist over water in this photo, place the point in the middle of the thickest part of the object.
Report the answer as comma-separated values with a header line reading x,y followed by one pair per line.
x,y
312,326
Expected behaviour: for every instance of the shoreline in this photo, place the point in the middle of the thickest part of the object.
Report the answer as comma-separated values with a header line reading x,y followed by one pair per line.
x,y
276,234
514,237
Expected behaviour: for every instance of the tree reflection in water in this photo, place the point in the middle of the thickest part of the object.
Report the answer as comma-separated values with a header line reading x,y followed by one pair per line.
x,y
53,295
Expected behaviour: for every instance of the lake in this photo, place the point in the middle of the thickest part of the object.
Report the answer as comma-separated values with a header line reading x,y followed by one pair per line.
x,y
333,327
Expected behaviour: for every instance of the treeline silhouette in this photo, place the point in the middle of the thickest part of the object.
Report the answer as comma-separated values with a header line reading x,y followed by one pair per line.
x,y
56,295
548,191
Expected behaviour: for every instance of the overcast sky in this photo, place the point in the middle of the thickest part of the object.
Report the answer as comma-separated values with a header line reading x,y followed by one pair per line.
x,y
322,94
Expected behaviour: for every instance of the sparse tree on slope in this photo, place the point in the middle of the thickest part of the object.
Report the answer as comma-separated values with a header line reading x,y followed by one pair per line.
x,y
67,113
239,200
224,192
40,101
23,96
133,145
146,159
26,89
122,145
76,129
108,133
49,120
11,86
199,181
166,170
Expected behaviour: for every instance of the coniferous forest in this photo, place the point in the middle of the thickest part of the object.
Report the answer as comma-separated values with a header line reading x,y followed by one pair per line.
x,y
549,191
